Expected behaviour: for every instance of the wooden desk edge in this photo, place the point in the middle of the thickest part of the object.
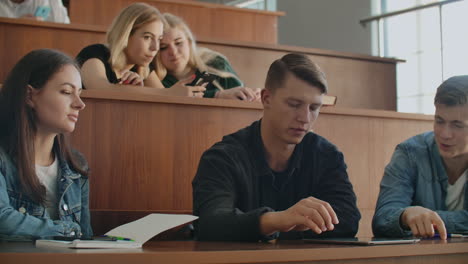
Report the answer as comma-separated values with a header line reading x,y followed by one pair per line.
x,y
333,110
246,256
208,41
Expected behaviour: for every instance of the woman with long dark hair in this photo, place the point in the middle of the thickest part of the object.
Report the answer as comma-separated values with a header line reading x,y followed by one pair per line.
x,y
43,182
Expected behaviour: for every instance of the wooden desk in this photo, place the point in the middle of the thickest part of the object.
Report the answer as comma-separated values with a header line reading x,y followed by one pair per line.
x,y
144,150
205,19
428,251
359,81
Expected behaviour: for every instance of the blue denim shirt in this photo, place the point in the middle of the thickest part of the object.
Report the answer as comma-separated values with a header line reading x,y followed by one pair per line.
x,y
415,177
21,218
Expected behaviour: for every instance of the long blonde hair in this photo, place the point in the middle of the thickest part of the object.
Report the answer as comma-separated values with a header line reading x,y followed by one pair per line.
x,y
124,25
199,57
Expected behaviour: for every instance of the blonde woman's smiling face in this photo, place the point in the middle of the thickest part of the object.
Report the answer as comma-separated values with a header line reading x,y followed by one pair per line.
x,y
175,51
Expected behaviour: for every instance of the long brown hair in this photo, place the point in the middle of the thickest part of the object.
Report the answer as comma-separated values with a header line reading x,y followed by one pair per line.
x,y
18,119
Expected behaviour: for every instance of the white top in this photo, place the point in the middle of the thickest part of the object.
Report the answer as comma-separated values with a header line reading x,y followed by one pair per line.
x,y
58,12
48,177
456,193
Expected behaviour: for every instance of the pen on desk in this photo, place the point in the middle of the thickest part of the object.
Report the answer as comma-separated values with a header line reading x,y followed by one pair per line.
x,y
119,238
449,235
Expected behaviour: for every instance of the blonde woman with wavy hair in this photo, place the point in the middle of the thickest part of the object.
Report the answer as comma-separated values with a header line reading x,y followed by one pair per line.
x,y
126,62
180,58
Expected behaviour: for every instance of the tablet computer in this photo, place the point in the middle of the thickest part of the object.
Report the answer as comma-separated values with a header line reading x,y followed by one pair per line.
x,y
362,241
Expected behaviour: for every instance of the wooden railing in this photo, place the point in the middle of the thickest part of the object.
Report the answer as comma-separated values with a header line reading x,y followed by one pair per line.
x,y
359,81
206,20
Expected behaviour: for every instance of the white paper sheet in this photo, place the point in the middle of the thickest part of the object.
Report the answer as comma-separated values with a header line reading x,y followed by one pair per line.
x,y
147,227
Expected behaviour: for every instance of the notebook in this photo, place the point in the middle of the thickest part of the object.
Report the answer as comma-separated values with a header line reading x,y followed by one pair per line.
x,y
362,241
138,231
77,243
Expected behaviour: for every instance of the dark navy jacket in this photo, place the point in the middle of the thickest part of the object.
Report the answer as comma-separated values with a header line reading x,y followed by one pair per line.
x,y
234,186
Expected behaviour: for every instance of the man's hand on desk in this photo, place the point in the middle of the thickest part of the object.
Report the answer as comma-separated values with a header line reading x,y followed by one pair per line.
x,y
308,213
421,221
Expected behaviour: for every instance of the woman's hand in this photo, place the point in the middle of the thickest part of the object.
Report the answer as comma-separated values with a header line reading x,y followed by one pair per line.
x,y
240,93
181,89
132,78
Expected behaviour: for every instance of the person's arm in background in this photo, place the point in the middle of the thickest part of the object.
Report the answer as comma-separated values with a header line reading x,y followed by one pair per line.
x,y
233,86
25,10
94,77
178,88
58,12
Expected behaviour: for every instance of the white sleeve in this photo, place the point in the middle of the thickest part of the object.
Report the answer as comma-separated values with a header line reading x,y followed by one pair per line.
x,y
12,10
58,12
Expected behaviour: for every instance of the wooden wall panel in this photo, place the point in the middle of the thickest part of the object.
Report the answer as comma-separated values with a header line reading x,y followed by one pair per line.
x,y
368,144
359,81
204,19
128,134
18,37
144,150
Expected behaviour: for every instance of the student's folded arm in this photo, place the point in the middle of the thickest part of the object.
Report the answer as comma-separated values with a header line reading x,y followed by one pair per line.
x,y
214,199
93,74
335,188
396,192
14,223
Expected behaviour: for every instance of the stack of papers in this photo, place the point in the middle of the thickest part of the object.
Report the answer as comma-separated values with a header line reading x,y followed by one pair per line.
x,y
138,231
77,243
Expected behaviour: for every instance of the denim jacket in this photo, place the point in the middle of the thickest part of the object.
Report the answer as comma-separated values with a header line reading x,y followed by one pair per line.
x,y
415,177
21,218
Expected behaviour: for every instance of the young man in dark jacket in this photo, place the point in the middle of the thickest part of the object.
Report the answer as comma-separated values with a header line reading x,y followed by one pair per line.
x,y
275,178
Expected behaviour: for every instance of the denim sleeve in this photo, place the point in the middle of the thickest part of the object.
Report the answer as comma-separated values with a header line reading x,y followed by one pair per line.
x,y
455,221
15,224
85,221
214,201
396,192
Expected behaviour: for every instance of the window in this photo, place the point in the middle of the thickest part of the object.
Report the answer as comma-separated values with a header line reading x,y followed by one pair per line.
x,y
434,43
269,5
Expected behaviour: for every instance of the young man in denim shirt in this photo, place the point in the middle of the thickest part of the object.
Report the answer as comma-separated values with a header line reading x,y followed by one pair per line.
x,y
424,189
275,178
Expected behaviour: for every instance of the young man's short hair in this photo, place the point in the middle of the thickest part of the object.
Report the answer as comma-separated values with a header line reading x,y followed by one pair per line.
x,y
299,65
453,92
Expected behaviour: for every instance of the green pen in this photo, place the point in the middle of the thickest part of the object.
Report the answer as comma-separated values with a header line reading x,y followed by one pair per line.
x,y
119,238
